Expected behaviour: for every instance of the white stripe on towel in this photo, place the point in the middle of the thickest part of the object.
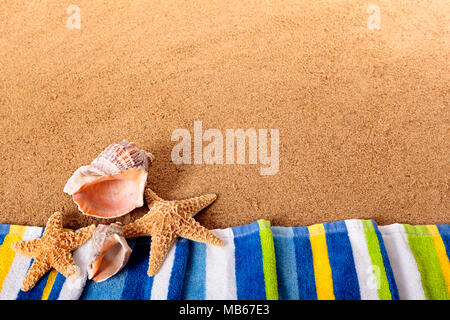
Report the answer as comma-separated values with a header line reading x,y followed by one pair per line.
x,y
72,289
161,280
363,262
403,263
220,268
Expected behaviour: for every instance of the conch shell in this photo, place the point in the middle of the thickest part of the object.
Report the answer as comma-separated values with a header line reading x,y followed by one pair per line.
x,y
110,252
113,184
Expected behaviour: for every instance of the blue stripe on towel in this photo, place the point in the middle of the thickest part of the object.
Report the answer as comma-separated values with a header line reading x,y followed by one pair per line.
x,y
248,263
110,289
178,269
387,264
305,267
138,285
36,292
57,286
444,231
4,229
194,283
342,263
286,266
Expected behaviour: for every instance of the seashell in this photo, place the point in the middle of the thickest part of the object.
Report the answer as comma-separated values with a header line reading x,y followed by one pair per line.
x,y
113,184
110,252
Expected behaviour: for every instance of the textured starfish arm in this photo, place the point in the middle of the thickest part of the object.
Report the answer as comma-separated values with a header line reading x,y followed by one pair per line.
x,y
26,248
77,238
151,196
36,271
138,228
193,230
158,251
63,263
190,207
54,224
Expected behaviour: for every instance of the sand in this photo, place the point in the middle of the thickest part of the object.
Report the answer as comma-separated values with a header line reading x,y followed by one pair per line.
x,y
363,114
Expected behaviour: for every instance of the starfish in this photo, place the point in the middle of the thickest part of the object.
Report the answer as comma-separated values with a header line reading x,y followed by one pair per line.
x,y
52,250
167,220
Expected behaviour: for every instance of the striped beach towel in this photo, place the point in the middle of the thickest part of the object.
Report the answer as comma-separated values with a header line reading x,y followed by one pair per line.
x,y
351,259
338,260
419,257
132,282
244,268
13,268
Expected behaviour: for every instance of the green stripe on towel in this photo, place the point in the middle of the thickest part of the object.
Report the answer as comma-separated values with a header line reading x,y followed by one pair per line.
x,y
269,264
424,251
377,260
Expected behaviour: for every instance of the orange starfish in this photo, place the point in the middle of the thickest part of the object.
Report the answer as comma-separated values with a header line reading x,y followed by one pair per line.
x,y
52,250
167,220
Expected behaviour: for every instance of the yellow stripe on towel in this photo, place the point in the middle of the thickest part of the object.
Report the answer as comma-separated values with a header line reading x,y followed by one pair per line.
x,y
441,253
322,269
48,286
15,234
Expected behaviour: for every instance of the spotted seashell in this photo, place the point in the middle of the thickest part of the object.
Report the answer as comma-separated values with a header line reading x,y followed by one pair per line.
x,y
113,184
121,156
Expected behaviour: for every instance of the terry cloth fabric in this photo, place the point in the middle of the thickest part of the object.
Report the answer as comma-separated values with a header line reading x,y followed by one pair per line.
x,y
133,283
13,268
338,260
244,268
419,257
351,259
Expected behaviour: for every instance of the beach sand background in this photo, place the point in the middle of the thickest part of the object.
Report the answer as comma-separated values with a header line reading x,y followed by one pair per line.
x,y
363,113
